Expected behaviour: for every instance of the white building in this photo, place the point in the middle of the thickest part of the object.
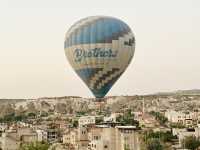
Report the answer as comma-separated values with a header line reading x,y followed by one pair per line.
x,y
86,120
41,135
66,138
102,137
113,138
77,138
127,137
137,115
183,133
10,141
112,117
3,126
186,119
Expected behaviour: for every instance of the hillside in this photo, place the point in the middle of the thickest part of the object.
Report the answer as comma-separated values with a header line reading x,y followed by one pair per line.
x,y
181,92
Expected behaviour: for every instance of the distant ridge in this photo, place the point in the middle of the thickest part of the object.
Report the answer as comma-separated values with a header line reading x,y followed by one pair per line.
x,y
178,92
181,92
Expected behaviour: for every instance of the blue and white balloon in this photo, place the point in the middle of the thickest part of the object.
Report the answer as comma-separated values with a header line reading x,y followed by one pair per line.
x,y
99,48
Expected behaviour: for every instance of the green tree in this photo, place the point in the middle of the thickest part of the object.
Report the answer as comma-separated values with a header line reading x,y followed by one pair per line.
x,y
177,125
191,142
31,115
13,118
127,119
35,146
98,120
75,123
20,117
160,117
167,136
80,113
163,136
126,148
154,144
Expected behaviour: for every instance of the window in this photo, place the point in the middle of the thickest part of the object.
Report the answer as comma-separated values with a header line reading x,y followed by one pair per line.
x,y
96,137
126,138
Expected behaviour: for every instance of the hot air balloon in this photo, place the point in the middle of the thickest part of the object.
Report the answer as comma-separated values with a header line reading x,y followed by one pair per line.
x,y
99,49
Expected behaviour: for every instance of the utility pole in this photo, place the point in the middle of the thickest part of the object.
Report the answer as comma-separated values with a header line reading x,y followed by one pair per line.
x,y
143,107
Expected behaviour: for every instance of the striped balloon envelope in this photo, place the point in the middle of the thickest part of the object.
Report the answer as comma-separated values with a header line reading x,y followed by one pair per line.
x,y
99,49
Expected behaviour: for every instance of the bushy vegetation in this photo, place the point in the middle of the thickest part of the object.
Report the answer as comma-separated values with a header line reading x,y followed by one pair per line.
x,y
157,140
80,113
98,120
127,119
163,136
159,117
177,125
35,146
154,144
14,118
191,143
75,123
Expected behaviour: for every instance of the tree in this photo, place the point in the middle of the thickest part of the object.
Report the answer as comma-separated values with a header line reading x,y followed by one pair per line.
x,y
80,113
167,136
191,142
35,146
127,119
98,120
31,115
158,116
164,136
20,117
177,125
126,148
75,123
154,144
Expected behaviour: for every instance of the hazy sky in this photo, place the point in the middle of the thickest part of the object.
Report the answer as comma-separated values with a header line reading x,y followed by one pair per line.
x,y
33,63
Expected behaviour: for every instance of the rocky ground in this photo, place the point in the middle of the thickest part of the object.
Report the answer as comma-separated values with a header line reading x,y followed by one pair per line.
x,y
187,100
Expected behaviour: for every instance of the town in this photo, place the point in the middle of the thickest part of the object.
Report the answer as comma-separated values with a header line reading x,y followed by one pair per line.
x,y
168,121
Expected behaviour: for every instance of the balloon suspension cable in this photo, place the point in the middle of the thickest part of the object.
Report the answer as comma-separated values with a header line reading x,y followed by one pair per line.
x,y
100,99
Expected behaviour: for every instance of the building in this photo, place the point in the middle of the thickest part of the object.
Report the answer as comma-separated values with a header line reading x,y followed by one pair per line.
x,y
52,135
66,138
77,138
10,140
27,134
112,117
127,137
113,138
184,118
41,135
183,133
86,120
138,115
3,127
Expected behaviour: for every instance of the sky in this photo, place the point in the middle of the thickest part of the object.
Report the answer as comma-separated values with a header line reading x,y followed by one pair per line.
x,y
33,63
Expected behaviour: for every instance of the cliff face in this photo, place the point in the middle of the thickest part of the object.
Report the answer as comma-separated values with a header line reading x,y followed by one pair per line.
x,y
56,104
7,109
71,105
